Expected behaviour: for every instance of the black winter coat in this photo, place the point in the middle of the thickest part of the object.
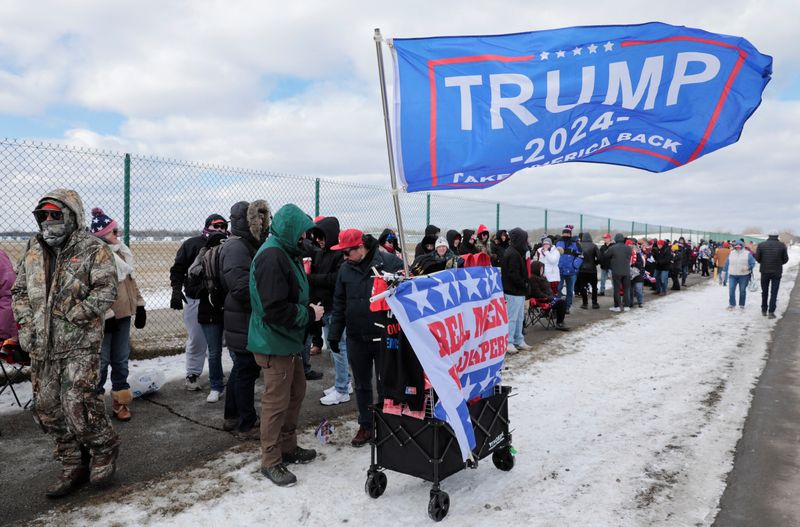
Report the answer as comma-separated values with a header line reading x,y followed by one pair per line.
x,y
663,258
236,256
512,267
772,254
353,291
591,254
184,259
325,265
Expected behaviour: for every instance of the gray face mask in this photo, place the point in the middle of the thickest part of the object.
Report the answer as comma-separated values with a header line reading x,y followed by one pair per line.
x,y
54,233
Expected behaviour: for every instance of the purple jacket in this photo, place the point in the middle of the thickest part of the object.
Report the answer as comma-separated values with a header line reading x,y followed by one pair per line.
x,y
8,327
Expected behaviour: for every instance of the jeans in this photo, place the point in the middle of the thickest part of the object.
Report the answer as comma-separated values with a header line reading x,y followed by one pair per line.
x,y
213,333
196,341
684,274
115,352
570,281
662,279
603,278
239,399
515,305
741,282
637,290
769,287
341,367
364,356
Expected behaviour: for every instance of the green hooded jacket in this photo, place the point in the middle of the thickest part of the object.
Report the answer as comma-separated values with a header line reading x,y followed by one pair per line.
x,y
279,292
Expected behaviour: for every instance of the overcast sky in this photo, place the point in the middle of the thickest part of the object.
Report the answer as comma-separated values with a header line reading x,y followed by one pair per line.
x,y
292,87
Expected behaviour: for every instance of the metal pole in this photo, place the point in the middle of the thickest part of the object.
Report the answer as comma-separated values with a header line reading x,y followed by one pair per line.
x,y
645,231
126,222
632,228
388,129
497,220
316,197
581,223
659,232
428,208
545,221
608,225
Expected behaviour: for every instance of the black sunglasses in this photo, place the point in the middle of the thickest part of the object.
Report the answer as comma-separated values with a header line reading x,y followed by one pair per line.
x,y
42,215
222,225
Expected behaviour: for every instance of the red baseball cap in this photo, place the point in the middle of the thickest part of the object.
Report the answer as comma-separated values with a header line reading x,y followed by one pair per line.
x,y
50,206
348,239
607,236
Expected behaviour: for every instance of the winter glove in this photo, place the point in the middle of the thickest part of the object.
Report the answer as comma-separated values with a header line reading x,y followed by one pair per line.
x,y
177,299
334,345
111,325
141,317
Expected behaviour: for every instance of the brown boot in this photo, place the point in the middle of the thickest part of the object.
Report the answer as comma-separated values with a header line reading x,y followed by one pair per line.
x,y
121,400
362,437
70,479
103,467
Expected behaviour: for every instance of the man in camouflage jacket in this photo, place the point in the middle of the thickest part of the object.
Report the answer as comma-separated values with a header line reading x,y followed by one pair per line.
x,y
66,281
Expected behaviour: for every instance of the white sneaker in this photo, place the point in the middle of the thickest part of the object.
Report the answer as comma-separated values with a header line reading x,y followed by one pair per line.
x,y
524,347
213,396
334,398
512,349
328,391
731,308
614,309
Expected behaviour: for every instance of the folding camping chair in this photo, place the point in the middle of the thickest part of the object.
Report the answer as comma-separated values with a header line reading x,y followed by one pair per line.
x,y
16,359
540,312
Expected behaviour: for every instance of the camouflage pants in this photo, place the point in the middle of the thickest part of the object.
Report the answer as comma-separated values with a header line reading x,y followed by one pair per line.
x,y
67,406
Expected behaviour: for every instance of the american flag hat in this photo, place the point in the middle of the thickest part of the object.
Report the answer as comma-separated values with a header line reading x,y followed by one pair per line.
x,y
101,224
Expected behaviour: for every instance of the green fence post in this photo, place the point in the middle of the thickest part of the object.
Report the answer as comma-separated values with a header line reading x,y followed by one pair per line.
x,y
581,229
545,221
632,228
497,220
645,231
428,208
608,225
659,232
126,212
316,197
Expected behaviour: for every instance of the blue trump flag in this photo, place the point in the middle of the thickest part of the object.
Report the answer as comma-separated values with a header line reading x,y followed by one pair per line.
x,y
472,111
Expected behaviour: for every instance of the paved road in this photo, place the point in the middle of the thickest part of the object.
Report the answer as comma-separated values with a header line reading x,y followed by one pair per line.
x,y
171,430
764,486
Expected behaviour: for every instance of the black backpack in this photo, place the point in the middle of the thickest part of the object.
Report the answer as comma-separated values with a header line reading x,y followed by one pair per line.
x,y
206,273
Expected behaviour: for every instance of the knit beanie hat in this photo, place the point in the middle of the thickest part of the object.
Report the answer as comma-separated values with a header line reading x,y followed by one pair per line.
x,y
101,224
441,242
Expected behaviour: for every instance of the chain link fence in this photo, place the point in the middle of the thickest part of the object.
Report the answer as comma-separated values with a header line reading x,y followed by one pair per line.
x,y
161,202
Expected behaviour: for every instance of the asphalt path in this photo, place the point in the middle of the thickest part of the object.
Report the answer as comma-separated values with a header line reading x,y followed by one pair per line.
x,y
175,430
764,484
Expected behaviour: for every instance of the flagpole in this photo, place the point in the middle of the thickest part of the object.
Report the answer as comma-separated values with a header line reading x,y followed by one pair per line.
x,y
395,191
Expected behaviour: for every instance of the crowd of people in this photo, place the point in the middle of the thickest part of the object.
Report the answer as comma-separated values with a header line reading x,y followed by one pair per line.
x,y
277,289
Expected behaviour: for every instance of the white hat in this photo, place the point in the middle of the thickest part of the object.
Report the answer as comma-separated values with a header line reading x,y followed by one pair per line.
x,y
772,233
441,242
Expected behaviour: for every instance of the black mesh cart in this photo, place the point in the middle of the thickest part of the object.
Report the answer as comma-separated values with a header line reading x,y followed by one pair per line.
x,y
427,449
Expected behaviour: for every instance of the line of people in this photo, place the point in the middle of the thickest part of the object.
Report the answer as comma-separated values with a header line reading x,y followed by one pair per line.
x,y
274,290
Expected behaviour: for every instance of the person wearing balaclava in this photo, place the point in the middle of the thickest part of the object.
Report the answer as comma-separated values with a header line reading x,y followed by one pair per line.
x,y
187,298
66,282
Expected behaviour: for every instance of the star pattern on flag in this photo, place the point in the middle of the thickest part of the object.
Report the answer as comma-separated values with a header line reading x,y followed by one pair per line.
x,y
471,283
445,290
560,54
608,46
592,48
577,51
420,298
544,55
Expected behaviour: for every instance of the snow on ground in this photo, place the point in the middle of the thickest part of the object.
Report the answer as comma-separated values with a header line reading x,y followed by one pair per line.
x,y
632,421
169,368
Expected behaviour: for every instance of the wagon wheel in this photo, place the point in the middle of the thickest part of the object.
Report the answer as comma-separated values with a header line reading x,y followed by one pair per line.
x,y
438,505
376,484
503,459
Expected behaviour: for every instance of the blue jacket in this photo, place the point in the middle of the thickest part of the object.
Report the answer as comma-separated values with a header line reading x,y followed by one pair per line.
x,y
571,259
